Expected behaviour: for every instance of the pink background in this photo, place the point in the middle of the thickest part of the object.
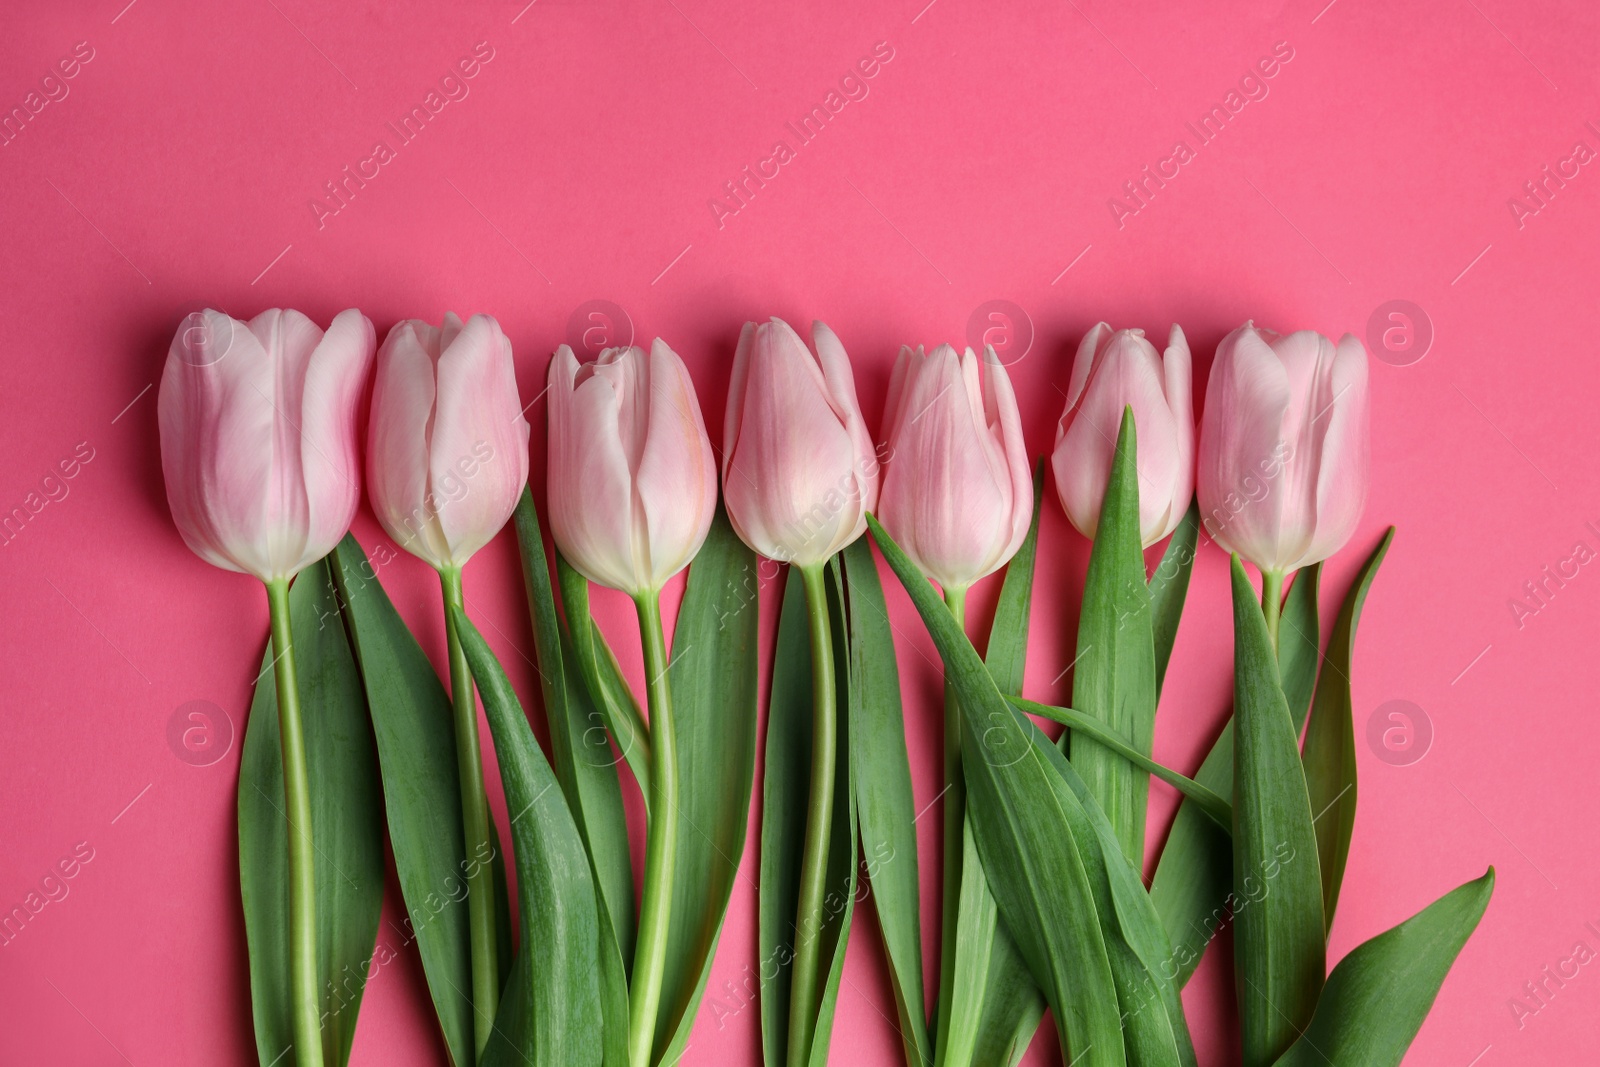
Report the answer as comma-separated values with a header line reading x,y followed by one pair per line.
x,y
177,172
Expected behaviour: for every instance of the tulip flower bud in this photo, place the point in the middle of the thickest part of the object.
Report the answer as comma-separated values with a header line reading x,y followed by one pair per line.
x,y
1284,446
258,436
1114,371
633,481
799,472
957,493
447,446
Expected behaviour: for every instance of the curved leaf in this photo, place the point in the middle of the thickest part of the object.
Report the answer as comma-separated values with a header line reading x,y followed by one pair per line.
x,y
1169,588
886,809
1195,872
1279,954
1211,804
412,723
559,996
346,826
1025,838
714,692
1378,996
1330,749
602,677
1114,678
582,755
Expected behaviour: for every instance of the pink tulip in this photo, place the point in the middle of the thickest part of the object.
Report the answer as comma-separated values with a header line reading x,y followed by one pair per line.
x,y
633,482
799,472
1113,371
957,493
1283,446
447,447
258,436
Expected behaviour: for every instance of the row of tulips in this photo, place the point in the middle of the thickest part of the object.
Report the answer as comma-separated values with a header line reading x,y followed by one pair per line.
x,y
259,426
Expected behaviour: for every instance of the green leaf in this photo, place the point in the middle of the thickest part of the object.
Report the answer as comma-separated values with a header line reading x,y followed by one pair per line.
x,y
1195,872
1300,643
560,997
1279,954
1208,801
1169,587
1154,1028
602,677
582,755
1330,749
1194,875
784,779
838,903
1115,674
786,784
1021,824
346,826
885,806
1376,999
713,679
1011,1005
412,722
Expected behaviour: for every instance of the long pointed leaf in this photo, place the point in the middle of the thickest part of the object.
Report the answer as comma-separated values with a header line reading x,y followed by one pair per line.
x,y
582,756
1195,873
560,998
713,679
886,810
602,678
1012,1005
1154,1028
412,723
1208,801
1279,954
1330,750
346,828
839,902
1025,839
1299,643
1115,674
1169,588
1378,996
784,782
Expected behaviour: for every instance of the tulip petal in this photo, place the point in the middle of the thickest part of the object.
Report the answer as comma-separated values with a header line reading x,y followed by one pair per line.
x,y
941,499
1242,428
335,374
1083,363
1000,407
397,443
1341,490
791,484
676,477
590,483
478,449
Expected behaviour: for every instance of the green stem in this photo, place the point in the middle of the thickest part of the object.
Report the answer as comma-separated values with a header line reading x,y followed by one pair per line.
x,y
955,815
804,992
304,997
661,840
1272,602
475,827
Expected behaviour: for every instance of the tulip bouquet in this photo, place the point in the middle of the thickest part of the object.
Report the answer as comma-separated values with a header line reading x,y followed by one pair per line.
x,y
1044,903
